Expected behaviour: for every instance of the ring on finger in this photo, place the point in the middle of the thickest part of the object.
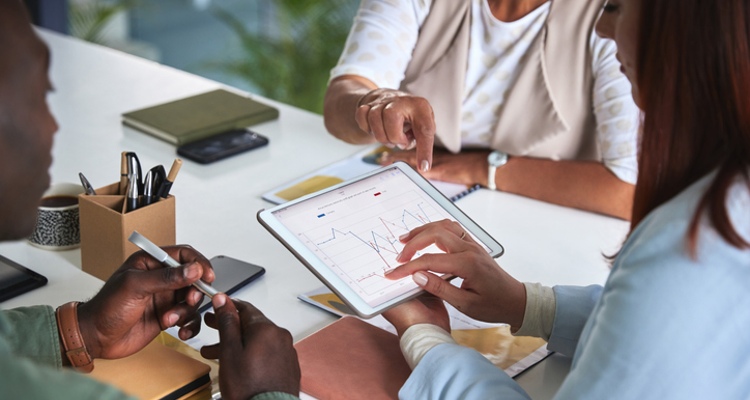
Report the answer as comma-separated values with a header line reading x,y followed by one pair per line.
x,y
463,235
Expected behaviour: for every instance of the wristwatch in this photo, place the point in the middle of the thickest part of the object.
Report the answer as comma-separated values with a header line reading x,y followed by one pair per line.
x,y
496,159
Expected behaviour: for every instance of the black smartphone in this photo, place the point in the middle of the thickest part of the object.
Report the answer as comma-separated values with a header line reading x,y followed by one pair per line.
x,y
231,275
222,145
16,279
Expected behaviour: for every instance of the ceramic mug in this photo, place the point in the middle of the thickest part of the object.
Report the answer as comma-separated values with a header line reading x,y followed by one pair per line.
x,y
57,224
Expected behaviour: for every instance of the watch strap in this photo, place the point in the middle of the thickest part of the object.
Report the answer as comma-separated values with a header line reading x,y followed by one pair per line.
x,y
70,333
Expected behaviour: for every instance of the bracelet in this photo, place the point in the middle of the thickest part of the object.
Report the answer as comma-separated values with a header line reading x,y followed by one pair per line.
x,y
70,333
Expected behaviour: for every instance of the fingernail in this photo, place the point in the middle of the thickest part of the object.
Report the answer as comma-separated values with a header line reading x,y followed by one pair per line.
x,y
425,166
412,144
398,257
193,271
419,278
197,296
173,319
187,334
390,145
219,300
403,237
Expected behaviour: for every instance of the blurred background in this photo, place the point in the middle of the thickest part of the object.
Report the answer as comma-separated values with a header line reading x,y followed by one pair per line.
x,y
280,49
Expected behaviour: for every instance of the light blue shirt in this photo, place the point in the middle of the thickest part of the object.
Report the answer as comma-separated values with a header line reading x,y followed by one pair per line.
x,y
664,326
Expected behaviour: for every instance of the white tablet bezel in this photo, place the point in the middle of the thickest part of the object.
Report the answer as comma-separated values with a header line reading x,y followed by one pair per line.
x,y
329,277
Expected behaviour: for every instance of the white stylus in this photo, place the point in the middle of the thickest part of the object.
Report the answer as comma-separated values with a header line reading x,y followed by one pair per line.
x,y
161,255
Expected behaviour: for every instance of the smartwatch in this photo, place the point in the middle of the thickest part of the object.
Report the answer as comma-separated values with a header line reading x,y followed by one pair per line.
x,y
496,159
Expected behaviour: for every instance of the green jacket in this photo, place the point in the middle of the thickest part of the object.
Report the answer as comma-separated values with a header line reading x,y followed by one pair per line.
x,y
31,367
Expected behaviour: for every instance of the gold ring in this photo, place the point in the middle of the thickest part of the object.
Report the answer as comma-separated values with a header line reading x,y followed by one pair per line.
x,y
463,235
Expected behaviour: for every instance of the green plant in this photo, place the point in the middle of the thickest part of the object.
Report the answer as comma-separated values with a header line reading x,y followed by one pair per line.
x,y
89,18
290,57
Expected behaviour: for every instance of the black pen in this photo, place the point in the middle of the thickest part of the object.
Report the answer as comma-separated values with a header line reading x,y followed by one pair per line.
x,y
167,185
148,190
132,197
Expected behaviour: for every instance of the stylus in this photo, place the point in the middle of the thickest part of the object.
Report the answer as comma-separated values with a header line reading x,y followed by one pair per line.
x,y
162,256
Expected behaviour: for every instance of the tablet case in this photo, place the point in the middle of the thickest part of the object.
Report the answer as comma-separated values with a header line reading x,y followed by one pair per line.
x,y
16,279
351,359
156,372
200,116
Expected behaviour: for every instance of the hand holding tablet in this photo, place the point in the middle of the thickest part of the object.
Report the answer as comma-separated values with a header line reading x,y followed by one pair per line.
x,y
348,234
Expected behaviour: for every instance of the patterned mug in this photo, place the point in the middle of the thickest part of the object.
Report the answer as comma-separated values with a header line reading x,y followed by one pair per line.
x,y
57,225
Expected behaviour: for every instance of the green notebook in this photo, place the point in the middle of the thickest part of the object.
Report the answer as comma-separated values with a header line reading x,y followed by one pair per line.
x,y
200,116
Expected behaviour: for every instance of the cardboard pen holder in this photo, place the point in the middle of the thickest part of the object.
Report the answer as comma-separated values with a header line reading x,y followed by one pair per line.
x,y
105,228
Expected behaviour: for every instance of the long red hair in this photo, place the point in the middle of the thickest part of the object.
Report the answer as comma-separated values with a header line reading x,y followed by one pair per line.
x,y
694,83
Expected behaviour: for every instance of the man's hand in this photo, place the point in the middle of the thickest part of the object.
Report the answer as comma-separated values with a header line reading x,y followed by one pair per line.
x,y
256,356
142,298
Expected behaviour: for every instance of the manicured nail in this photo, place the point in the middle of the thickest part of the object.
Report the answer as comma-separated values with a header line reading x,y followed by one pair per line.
x,y
403,237
412,145
398,257
419,278
173,319
425,166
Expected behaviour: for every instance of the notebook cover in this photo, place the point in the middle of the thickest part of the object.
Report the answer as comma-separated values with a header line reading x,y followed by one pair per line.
x,y
351,359
200,116
156,372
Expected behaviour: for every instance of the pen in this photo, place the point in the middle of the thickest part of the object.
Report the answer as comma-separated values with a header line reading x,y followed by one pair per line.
x,y
134,171
167,185
132,196
148,190
162,256
86,185
123,189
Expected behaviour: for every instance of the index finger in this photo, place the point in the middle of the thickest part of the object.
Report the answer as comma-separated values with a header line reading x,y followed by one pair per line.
x,y
423,129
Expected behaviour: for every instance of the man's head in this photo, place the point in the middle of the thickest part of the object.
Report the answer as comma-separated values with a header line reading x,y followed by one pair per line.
x,y
26,124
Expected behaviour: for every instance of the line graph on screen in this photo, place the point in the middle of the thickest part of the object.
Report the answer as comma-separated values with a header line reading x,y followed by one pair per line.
x,y
362,242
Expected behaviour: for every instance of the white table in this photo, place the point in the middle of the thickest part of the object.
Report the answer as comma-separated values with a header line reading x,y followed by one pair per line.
x,y
217,203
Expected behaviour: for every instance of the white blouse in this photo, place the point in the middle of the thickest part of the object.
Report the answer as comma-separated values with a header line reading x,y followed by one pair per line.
x,y
384,35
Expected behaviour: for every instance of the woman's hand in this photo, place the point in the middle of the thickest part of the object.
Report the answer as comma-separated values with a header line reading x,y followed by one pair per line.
x,y
487,293
425,309
469,167
142,298
399,119
256,356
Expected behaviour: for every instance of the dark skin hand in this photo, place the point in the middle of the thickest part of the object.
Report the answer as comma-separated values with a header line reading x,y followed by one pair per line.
x,y
142,298
469,167
256,356
487,292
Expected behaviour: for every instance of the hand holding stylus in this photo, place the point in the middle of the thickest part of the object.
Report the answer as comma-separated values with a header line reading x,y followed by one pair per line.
x,y
162,256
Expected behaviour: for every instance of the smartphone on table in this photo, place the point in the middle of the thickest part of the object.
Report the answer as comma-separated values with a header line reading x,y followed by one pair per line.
x,y
231,275
222,145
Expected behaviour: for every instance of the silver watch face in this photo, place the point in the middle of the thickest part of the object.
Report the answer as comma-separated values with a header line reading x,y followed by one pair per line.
x,y
497,159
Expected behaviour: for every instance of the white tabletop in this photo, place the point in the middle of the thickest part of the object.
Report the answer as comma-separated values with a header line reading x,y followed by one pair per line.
x,y
217,203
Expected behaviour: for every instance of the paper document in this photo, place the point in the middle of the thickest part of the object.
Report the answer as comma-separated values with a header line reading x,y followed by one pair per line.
x,y
341,171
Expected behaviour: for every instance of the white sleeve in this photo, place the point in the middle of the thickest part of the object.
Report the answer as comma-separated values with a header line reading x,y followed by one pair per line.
x,y
418,339
617,116
381,41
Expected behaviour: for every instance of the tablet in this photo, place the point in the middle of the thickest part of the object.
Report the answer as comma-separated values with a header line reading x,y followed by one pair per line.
x,y
347,235
16,279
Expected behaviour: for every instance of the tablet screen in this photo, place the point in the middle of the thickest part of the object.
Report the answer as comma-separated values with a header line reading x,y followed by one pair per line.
x,y
354,230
